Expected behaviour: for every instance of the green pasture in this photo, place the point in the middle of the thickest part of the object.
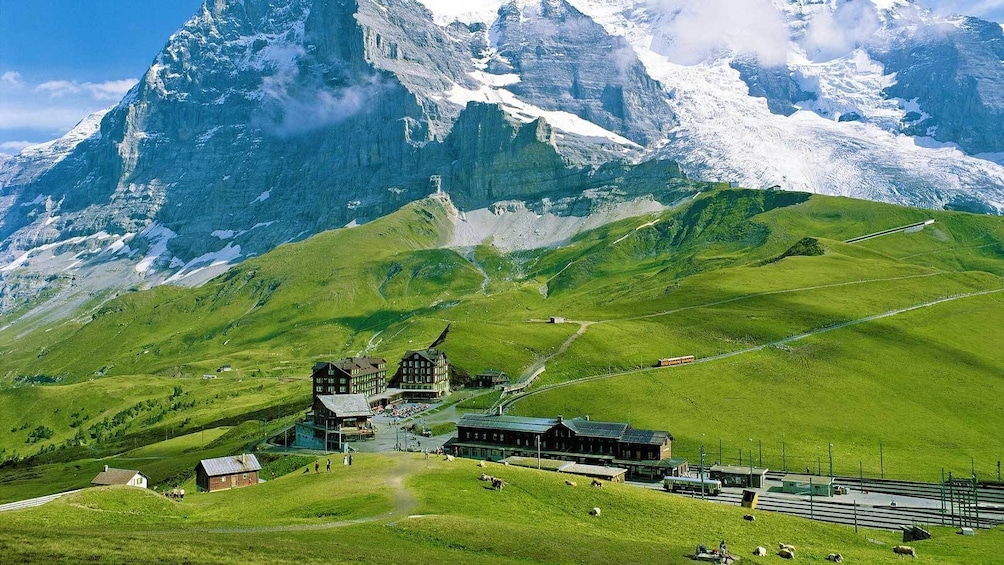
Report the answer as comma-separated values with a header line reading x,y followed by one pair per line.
x,y
924,384
401,508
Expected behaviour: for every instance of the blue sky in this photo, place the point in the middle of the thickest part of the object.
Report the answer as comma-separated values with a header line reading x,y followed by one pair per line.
x,y
60,60
63,59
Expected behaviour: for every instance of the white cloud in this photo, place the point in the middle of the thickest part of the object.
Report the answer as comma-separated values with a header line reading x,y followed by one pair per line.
x,y
691,31
42,112
992,10
14,146
12,78
834,33
108,91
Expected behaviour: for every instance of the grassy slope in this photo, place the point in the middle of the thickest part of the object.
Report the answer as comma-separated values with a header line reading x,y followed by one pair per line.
x,y
694,281
536,519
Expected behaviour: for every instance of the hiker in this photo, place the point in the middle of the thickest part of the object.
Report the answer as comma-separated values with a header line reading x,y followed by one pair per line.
x,y
723,549
345,459
329,465
317,467
273,475
350,459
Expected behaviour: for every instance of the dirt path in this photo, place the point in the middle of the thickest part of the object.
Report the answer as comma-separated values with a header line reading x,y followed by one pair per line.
x,y
509,402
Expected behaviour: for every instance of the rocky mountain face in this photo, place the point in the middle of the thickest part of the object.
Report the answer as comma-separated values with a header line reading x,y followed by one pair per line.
x,y
955,72
263,122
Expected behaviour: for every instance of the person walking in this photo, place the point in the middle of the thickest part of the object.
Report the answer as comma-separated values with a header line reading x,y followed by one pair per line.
x,y
317,467
350,459
329,465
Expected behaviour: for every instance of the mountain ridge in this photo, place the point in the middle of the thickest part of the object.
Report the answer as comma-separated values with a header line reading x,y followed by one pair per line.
x,y
262,123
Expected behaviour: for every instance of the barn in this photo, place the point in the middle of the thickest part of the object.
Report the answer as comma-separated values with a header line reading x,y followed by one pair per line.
x,y
126,477
223,473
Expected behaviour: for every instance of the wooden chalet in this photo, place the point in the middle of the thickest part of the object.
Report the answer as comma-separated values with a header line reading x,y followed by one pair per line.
x,y
126,477
223,473
610,444
490,379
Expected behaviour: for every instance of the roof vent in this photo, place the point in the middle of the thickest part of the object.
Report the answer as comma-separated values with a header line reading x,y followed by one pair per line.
x,y
106,468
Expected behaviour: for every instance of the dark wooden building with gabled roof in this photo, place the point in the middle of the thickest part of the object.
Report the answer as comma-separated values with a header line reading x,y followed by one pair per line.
x,y
423,375
223,473
614,444
354,375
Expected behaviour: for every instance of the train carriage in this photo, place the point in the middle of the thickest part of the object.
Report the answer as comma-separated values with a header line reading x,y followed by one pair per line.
x,y
692,485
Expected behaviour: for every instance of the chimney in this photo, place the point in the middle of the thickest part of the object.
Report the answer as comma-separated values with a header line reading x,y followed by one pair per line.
x,y
560,418
587,417
106,468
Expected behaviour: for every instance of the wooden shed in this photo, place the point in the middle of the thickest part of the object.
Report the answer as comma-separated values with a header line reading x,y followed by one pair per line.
x,y
223,473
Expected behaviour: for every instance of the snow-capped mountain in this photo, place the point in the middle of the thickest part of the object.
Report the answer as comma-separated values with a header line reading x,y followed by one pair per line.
x,y
263,122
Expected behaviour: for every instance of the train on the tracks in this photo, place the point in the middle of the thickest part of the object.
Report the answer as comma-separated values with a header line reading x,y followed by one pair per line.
x,y
670,361
693,485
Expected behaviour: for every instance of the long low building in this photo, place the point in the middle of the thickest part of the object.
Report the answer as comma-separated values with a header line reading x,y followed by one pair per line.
x,y
643,453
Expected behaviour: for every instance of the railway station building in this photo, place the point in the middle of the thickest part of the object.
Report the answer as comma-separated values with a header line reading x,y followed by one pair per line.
x,y
642,453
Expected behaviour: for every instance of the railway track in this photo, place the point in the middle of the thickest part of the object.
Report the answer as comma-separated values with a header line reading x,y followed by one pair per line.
x,y
988,496
869,515
866,516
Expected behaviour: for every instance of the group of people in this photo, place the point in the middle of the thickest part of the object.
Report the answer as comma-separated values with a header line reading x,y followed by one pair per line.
x,y
346,460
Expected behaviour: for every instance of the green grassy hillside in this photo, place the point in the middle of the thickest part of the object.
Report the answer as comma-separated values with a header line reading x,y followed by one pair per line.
x,y
403,509
725,274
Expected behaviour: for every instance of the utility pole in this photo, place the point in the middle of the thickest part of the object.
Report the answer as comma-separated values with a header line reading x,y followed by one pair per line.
x,y
812,515
700,473
538,451
831,460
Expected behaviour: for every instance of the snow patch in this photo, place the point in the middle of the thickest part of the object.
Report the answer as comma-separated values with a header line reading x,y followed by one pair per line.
x,y
263,196
162,235
526,113
446,12
224,256
223,234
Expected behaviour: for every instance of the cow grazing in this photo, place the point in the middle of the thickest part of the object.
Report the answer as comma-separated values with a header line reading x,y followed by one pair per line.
x,y
785,554
749,518
596,483
594,512
571,483
484,477
790,548
497,483
760,551
482,464
902,550
449,458
835,557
